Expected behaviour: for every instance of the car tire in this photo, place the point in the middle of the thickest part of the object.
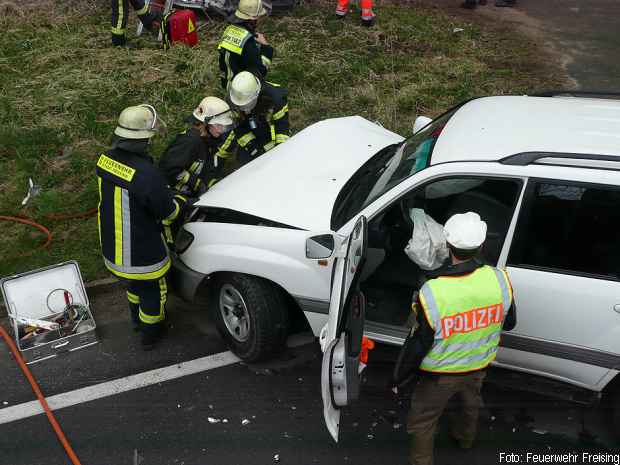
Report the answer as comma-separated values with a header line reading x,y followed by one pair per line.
x,y
250,314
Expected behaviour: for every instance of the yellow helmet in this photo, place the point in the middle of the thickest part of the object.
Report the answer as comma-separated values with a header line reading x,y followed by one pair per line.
x,y
250,9
244,91
139,122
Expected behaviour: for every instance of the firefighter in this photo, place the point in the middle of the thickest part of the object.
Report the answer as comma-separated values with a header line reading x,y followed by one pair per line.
x,y
135,212
120,10
194,161
264,115
242,48
368,16
462,313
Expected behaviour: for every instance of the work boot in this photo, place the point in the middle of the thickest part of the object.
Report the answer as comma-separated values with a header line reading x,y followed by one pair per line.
x,y
151,335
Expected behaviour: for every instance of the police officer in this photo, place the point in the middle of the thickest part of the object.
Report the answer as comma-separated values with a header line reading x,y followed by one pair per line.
x,y
242,48
462,312
120,10
264,115
194,161
134,208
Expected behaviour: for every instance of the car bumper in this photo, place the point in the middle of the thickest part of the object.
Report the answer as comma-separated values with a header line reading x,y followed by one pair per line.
x,y
183,280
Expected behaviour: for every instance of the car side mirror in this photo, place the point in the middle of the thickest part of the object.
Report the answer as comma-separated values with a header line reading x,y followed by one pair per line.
x,y
318,247
420,122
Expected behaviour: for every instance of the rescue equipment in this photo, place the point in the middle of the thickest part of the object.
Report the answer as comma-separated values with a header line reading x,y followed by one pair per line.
x,y
179,26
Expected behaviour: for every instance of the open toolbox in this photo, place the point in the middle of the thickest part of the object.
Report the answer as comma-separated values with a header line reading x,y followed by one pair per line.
x,y
49,311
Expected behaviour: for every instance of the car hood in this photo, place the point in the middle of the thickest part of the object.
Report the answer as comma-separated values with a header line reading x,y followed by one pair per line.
x,y
297,182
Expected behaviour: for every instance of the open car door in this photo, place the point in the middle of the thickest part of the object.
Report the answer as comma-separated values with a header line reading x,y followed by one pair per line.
x,y
341,338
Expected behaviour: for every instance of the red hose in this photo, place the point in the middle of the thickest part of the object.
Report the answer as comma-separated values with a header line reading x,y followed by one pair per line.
x,y
35,387
34,224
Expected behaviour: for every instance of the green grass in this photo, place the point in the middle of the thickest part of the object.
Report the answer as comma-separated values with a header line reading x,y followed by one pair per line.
x,y
62,87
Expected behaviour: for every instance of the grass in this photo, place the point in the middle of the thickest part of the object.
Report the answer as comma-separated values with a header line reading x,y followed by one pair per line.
x,y
62,88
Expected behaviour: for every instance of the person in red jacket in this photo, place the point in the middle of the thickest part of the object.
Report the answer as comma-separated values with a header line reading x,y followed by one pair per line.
x,y
368,17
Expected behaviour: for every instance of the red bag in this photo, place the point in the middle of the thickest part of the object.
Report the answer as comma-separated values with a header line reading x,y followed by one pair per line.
x,y
180,27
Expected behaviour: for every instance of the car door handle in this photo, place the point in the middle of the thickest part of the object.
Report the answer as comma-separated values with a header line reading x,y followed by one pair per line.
x,y
617,308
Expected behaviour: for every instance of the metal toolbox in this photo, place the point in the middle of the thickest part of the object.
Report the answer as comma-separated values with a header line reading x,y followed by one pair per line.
x,y
49,297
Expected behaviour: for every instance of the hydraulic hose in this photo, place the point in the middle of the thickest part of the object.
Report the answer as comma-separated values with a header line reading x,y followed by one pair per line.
x,y
34,224
35,387
43,229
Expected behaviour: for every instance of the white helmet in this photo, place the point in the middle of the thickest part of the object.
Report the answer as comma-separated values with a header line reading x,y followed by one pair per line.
x,y
213,110
465,231
244,91
139,122
250,9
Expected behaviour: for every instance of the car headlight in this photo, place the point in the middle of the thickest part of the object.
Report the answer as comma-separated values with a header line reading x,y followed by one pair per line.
x,y
183,241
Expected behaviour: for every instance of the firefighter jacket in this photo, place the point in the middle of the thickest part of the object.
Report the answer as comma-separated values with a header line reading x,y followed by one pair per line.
x,y
239,51
267,125
134,208
192,163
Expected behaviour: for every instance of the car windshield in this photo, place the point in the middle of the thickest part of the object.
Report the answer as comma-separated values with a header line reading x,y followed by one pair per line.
x,y
386,169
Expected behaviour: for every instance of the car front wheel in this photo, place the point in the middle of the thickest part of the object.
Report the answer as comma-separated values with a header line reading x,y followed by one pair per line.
x,y
250,314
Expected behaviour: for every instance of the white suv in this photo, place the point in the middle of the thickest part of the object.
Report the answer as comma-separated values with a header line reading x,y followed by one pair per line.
x,y
331,209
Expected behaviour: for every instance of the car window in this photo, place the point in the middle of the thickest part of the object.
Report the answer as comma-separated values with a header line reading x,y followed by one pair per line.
x,y
386,169
570,228
494,199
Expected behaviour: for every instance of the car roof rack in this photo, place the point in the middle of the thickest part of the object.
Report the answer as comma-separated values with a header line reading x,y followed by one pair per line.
x,y
580,160
578,93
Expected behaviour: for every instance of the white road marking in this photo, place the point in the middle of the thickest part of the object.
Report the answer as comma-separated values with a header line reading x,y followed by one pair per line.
x,y
117,386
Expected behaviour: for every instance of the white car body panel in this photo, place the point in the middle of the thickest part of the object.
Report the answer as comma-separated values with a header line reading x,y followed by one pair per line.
x,y
492,128
297,182
277,254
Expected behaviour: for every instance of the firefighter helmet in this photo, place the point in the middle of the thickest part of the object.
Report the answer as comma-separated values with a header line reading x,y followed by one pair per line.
x,y
244,91
250,9
213,110
139,122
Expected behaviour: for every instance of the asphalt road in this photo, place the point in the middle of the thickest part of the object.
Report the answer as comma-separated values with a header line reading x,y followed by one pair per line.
x,y
168,422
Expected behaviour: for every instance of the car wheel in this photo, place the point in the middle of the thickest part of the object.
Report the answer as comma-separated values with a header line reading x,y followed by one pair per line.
x,y
251,315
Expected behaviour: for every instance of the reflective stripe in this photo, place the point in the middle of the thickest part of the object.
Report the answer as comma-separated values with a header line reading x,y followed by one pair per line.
x,y
234,39
126,212
502,277
266,61
229,71
457,347
281,138
459,364
133,298
182,178
118,31
273,132
429,305
281,114
246,139
118,225
211,182
222,151
99,210
172,216
140,273
144,10
161,316
269,146
119,21
195,167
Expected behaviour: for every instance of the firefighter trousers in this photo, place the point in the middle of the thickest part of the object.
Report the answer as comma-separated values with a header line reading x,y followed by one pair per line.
x,y
365,5
120,11
428,401
147,303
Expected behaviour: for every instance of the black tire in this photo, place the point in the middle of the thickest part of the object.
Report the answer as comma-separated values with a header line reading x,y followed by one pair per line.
x,y
265,309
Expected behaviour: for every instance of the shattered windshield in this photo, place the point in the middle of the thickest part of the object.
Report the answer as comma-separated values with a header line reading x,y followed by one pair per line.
x,y
386,169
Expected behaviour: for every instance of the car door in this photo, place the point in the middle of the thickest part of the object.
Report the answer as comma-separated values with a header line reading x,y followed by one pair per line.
x,y
341,337
563,265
